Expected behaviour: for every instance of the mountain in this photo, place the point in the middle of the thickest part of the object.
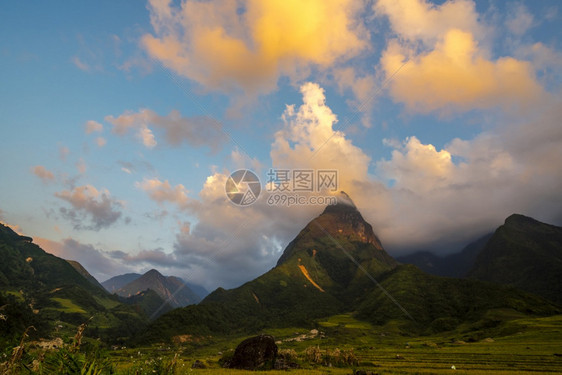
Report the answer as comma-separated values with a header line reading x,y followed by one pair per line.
x,y
433,304
117,282
38,288
452,265
113,284
524,253
82,271
172,290
335,265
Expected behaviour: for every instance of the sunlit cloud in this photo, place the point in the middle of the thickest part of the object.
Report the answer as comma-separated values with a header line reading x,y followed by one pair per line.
x,y
163,191
457,75
446,59
248,45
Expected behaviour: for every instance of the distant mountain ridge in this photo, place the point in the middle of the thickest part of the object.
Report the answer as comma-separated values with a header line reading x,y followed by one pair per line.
x,y
117,282
173,290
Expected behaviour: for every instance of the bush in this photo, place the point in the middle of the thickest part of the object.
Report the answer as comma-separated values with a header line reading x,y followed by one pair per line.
x,y
333,357
287,354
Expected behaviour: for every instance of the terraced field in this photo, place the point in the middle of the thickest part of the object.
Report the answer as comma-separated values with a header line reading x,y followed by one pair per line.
x,y
534,346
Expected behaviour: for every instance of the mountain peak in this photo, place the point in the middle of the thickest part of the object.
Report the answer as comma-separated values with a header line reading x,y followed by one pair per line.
x,y
172,289
344,204
339,224
153,272
519,219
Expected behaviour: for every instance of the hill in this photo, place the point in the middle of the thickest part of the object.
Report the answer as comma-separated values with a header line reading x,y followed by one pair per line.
x,y
524,253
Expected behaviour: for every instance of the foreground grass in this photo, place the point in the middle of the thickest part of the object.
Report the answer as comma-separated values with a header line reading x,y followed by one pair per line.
x,y
520,346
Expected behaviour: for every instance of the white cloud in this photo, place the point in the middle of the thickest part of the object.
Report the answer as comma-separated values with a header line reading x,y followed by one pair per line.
x,y
45,175
308,140
519,20
417,166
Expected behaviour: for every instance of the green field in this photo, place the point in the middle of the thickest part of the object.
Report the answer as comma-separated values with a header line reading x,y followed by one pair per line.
x,y
68,306
522,345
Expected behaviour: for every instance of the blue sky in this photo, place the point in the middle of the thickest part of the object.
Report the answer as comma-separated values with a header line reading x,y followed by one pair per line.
x,y
120,122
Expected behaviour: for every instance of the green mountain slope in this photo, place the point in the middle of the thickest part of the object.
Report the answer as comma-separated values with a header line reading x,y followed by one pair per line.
x,y
524,253
40,289
440,303
82,271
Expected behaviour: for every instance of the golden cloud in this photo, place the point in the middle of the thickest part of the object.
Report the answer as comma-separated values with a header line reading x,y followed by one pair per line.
x,y
457,75
249,44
